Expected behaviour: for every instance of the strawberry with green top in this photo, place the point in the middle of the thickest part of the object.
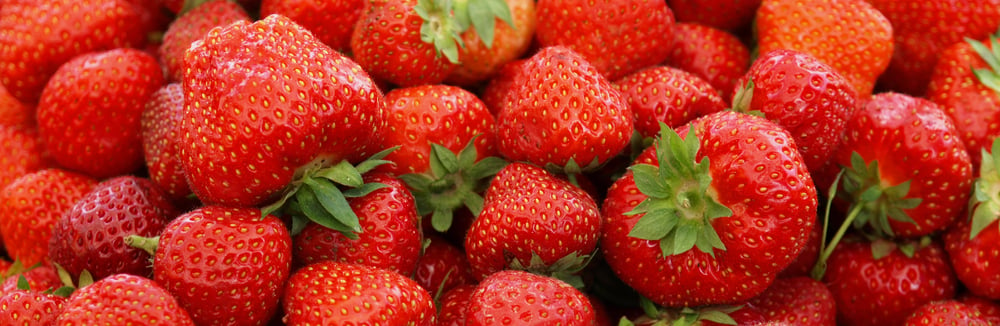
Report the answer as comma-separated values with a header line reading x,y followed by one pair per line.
x,y
123,299
522,298
27,308
972,242
487,47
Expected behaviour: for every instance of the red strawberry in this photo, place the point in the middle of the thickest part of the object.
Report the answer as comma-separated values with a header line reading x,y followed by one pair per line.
x,y
13,112
669,95
38,36
334,293
26,308
702,316
483,56
160,121
40,278
905,151
806,261
714,55
192,26
521,298
89,113
921,30
532,220
878,283
123,299
226,266
91,235
989,309
442,267
454,306
30,207
946,312
332,22
24,153
495,92
807,97
712,216
562,114
849,35
972,243
797,301
722,14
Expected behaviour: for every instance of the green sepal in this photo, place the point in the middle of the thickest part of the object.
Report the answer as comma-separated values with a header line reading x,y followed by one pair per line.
x,y
625,322
22,283
566,269
375,160
984,206
989,77
190,5
64,291
440,28
342,173
862,185
347,223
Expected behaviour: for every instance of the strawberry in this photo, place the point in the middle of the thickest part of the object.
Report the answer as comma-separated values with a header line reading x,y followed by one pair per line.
x,y
669,95
989,309
881,282
38,36
13,112
921,30
495,92
192,26
31,205
700,316
946,312
616,37
797,301
91,235
334,293
268,107
562,114
484,54
123,299
88,116
517,297
907,173
160,134
806,261
442,266
972,243
711,213
718,57
453,307
532,220
807,97
38,278
25,153
722,14
851,36
225,266
26,308
332,22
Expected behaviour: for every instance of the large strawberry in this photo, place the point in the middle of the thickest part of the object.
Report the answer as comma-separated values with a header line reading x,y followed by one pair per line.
x,y
972,243
561,113
714,55
711,213
89,112
25,308
487,47
668,95
123,299
946,312
334,293
849,35
522,298
192,26
160,122
30,207
38,36
332,22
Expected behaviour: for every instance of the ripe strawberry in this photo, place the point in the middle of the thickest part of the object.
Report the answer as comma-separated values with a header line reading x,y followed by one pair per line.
x,y
562,114
797,301
517,297
668,95
921,30
89,113
849,35
40,278
989,309
332,22
907,172
27,308
160,122
946,312
702,316
714,55
881,283
616,37
454,306
267,105
495,92
91,235
24,153
731,185
123,299
334,293
442,266
806,261
192,26
225,266
13,112
38,36
482,56
532,220
803,95
31,205
972,243
722,14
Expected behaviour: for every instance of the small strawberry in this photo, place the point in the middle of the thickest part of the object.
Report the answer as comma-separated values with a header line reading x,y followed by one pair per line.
x,y
714,55
442,266
192,26
123,299
30,207
454,306
730,15
517,297
668,95
24,153
28,308
797,301
973,243
483,54
160,122
334,293
89,112
946,312
37,278
332,22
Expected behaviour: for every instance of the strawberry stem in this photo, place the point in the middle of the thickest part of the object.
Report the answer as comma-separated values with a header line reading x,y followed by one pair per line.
x,y
827,249
149,245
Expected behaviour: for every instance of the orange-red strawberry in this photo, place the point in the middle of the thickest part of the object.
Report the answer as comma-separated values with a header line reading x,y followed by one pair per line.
x,y
38,36
972,243
334,293
192,26
668,95
13,112
123,299
617,37
522,298
797,301
89,112
27,308
332,22
714,55
160,122
30,207
482,56
24,153
731,15
849,35
946,312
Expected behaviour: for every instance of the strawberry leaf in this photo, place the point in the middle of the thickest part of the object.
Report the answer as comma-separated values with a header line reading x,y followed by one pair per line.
x,y
346,223
343,173
22,283
442,219
363,190
985,203
864,188
440,28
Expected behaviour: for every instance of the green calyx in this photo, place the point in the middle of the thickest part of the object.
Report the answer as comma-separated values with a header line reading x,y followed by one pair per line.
x,y
681,203
990,77
566,268
320,195
743,98
481,15
877,203
686,316
985,201
454,181
446,20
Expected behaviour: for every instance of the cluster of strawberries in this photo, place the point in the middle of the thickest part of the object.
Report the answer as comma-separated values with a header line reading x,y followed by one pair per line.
x,y
500,162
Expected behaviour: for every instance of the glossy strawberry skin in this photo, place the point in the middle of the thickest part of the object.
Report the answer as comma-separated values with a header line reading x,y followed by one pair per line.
x,y
247,129
781,208
192,26
89,112
669,95
442,267
334,293
976,261
946,312
13,112
495,92
225,265
521,298
797,301
32,204
40,279
454,306
26,308
160,122
712,54
123,299
387,43
25,153
331,21
479,62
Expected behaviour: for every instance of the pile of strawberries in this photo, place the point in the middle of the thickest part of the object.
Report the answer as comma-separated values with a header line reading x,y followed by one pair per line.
x,y
500,162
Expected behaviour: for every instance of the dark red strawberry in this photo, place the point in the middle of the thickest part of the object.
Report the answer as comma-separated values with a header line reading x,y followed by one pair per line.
x,y
39,278
160,121
353,294
192,26
89,113
29,308
714,55
332,22
123,299
669,95
521,298
711,213
24,153
797,301
454,306
729,15
442,266
946,312
482,55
